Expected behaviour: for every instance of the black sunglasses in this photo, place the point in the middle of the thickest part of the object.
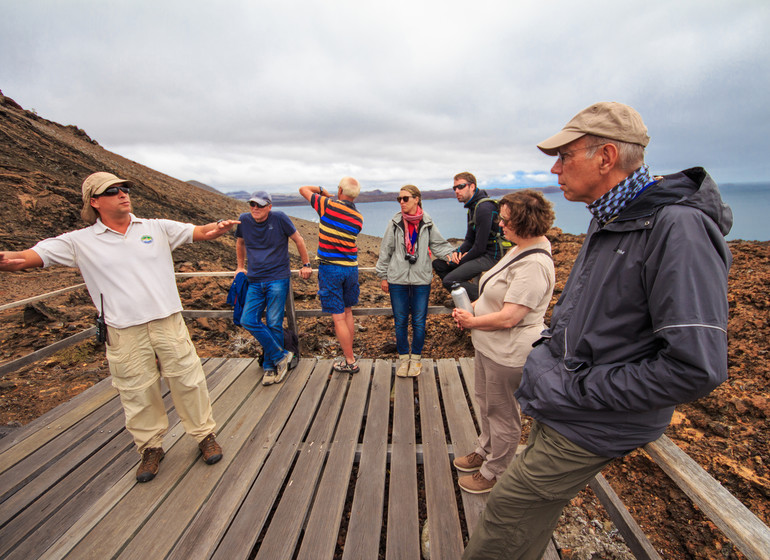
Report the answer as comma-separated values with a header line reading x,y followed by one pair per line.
x,y
403,198
460,186
112,191
253,204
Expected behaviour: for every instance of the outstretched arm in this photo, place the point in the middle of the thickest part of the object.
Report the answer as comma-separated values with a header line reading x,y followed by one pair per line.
x,y
213,230
19,260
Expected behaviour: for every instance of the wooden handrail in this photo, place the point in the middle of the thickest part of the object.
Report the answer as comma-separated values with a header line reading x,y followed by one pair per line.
x,y
742,527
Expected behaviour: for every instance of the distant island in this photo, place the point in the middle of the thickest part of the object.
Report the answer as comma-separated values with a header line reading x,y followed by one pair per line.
x,y
377,195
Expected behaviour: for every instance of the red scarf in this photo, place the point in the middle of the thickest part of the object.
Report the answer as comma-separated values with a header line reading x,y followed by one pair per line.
x,y
411,223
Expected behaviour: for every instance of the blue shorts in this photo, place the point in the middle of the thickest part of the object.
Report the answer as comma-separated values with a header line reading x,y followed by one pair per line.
x,y
337,287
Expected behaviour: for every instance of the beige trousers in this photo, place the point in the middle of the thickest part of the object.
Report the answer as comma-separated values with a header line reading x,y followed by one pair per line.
x,y
138,357
500,420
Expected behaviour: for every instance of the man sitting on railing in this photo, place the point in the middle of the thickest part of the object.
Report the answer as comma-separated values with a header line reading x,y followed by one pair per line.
x,y
128,269
338,226
262,241
640,327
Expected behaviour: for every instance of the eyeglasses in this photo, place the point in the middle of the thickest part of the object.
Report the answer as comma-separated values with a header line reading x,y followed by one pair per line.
x,y
460,186
253,204
403,198
561,155
112,191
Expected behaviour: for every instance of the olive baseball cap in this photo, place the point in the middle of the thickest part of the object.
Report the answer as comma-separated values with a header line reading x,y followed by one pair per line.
x,y
96,184
607,119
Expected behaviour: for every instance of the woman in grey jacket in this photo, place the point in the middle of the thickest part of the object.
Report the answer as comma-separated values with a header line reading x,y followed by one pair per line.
x,y
405,268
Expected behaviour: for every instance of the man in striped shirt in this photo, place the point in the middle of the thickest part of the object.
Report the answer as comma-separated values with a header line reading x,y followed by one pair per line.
x,y
339,224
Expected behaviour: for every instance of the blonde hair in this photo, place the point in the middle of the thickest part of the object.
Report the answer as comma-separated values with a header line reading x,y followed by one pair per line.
x,y
414,191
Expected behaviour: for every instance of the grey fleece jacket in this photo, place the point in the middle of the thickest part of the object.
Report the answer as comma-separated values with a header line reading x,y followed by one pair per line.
x,y
392,264
641,325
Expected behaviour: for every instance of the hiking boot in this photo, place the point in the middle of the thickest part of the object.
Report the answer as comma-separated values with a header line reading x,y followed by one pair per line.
x,y
403,367
282,367
211,450
471,462
148,468
269,377
415,366
476,483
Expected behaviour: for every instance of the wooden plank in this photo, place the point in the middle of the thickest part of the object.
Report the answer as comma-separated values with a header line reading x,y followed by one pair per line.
x,y
246,526
289,516
48,490
161,532
403,536
50,350
742,527
270,410
636,540
58,418
443,517
363,532
469,377
462,433
66,447
320,537
106,527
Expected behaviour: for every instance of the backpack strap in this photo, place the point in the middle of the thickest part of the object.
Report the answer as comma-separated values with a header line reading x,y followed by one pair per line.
x,y
513,260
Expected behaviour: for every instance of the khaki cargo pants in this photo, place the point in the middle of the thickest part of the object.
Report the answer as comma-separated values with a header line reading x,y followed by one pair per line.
x,y
138,357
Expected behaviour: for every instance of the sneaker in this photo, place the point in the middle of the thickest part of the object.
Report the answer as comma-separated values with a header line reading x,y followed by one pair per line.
x,y
415,367
282,367
476,483
471,462
345,367
212,452
269,377
148,468
403,367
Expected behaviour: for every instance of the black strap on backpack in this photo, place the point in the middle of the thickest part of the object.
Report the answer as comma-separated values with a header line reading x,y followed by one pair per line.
x,y
516,258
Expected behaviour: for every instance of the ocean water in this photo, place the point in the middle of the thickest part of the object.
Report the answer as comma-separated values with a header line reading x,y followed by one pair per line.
x,y
750,204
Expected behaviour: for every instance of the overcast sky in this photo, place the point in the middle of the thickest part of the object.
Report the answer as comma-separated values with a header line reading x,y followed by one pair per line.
x,y
246,95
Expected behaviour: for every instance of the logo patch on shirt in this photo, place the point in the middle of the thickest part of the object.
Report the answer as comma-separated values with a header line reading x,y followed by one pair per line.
x,y
146,239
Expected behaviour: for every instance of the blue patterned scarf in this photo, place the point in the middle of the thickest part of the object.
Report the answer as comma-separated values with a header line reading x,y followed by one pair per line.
x,y
608,206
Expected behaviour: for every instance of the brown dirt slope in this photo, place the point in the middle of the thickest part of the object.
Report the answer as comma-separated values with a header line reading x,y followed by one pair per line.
x,y
42,165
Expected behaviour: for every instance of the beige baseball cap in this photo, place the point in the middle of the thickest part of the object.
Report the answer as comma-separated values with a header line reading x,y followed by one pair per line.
x,y
95,184
607,119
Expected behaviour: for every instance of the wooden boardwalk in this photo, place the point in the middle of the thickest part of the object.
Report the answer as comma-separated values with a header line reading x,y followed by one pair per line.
x,y
320,465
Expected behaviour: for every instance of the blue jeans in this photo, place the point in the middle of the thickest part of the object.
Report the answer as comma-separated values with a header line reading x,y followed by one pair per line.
x,y
268,299
409,299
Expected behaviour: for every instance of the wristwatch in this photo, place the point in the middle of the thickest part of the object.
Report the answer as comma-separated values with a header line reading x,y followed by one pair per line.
x,y
306,265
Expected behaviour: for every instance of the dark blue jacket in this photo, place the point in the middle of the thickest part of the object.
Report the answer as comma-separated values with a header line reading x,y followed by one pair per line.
x,y
237,296
641,325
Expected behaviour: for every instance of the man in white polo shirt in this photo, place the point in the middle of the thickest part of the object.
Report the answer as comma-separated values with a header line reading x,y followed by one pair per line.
x,y
129,272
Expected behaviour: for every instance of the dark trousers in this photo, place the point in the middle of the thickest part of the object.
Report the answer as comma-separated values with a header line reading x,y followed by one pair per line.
x,y
451,273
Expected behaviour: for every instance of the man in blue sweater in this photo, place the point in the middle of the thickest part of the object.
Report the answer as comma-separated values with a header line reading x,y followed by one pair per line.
x,y
262,240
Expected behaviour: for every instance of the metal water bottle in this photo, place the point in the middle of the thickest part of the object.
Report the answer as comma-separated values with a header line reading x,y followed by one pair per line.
x,y
460,298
